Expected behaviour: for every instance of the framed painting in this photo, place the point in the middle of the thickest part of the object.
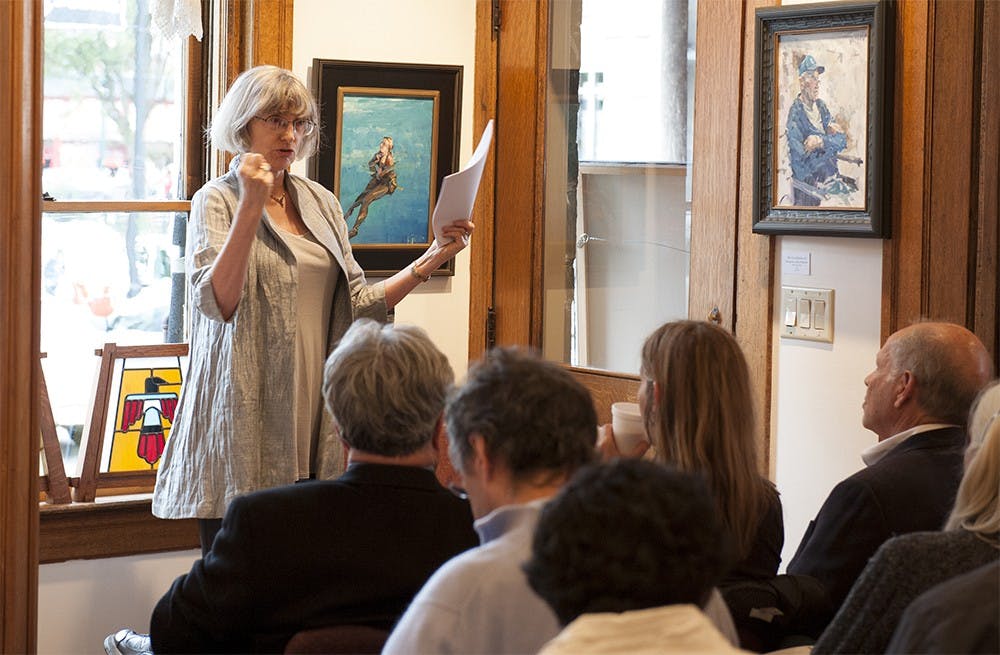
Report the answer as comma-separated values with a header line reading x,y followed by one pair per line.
x,y
135,399
390,133
822,115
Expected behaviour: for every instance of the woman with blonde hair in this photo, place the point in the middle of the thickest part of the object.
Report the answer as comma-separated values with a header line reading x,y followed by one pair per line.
x,y
906,566
697,408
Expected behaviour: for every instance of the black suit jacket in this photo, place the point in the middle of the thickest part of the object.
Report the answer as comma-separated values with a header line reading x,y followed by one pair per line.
x,y
349,551
912,488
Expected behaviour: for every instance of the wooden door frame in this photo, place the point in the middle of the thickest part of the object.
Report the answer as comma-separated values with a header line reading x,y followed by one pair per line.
x,y
20,281
506,258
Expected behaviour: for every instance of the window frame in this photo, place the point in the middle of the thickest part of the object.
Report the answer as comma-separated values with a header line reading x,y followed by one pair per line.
x,y
238,34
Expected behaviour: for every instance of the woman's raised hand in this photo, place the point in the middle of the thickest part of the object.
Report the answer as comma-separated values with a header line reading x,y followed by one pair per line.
x,y
256,179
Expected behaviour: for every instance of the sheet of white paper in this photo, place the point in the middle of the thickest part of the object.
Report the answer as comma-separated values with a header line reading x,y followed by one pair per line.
x,y
458,191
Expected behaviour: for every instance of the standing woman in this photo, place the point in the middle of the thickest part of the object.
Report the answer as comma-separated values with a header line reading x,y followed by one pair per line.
x,y
273,286
697,407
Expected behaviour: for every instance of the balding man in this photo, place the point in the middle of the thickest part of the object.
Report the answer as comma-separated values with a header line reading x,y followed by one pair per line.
x,y
925,379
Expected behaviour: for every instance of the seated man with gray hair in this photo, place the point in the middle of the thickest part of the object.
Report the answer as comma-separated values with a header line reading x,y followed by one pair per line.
x,y
917,403
349,551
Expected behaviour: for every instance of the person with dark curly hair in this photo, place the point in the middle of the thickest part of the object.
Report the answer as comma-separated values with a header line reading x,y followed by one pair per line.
x,y
626,556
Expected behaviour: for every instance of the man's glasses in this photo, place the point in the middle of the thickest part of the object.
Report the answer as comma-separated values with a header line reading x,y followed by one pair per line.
x,y
303,126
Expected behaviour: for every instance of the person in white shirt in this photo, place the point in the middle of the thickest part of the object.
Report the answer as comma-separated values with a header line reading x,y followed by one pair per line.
x,y
626,555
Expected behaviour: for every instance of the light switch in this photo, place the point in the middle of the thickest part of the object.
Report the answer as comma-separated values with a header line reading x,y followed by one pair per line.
x,y
806,313
790,312
803,312
819,314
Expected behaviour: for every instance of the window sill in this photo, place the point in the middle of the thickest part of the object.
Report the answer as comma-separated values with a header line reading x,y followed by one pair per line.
x,y
110,527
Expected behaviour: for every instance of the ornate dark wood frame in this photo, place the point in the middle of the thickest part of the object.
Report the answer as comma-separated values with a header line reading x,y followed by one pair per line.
x,y
874,220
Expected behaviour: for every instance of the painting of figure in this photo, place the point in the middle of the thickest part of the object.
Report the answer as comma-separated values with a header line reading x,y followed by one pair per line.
x,y
392,189
383,181
821,119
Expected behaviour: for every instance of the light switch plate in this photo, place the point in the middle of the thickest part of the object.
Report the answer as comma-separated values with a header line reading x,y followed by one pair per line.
x,y
803,299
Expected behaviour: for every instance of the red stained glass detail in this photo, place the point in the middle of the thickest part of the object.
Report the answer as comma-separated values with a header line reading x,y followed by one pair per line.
x,y
150,447
167,407
130,412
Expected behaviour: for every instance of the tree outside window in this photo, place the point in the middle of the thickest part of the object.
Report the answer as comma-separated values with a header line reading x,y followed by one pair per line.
x,y
113,133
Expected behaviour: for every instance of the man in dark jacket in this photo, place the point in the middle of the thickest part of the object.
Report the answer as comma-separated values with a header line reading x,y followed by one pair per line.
x,y
350,551
925,379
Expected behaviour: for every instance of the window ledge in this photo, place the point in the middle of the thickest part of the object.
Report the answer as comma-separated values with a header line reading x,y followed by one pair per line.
x,y
110,527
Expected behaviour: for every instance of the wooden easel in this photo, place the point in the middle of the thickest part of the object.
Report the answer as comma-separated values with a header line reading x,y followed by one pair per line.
x,y
53,482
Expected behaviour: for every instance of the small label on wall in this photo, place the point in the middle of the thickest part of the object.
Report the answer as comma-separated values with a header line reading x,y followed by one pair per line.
x,y
796,263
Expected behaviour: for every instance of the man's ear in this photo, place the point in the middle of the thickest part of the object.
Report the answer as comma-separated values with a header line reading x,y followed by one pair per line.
x,y
481,461
440,435
339,435
907,389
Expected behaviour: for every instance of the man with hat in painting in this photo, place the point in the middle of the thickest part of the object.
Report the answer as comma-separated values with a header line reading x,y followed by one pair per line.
x,y
814,140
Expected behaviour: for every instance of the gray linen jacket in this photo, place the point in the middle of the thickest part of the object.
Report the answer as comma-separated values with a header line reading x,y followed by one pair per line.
x,y
233,428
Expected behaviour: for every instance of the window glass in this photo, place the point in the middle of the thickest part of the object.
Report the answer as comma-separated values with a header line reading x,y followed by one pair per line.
x,y
106,278
113,130
618,154
113,111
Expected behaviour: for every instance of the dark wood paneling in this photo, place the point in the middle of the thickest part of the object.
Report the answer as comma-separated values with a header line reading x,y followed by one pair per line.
x,y
946,262
986,194
941,260
20,272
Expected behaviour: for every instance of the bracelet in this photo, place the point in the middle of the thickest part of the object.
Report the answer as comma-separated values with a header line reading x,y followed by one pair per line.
x,y
415,273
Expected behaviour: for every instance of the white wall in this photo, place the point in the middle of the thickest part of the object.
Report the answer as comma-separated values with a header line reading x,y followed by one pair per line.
x,y
416,31
81,602
816,427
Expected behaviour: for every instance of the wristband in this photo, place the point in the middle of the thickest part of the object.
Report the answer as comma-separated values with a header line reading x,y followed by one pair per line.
x,y
415,273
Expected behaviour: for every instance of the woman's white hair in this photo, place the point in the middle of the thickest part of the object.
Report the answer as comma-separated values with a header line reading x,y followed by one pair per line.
x,y
262,91
977,504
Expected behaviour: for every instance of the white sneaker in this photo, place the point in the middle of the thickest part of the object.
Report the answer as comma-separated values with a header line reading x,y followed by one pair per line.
x,y
128,642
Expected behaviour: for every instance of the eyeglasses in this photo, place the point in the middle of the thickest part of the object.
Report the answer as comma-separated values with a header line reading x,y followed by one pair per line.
x,y
303,126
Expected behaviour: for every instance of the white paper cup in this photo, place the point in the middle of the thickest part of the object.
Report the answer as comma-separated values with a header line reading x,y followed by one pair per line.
x,y
626,423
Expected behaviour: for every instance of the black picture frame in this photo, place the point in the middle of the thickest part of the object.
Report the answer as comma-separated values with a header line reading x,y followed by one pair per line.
x,y
356,85
823,170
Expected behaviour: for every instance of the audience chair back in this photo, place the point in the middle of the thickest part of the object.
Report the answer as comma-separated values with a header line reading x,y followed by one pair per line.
x,y
338,640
